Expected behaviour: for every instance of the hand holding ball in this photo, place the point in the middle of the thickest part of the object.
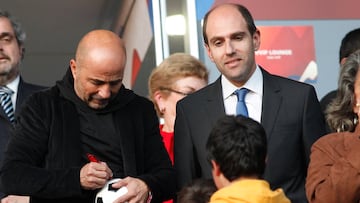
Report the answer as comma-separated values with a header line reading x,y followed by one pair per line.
x,y
108,194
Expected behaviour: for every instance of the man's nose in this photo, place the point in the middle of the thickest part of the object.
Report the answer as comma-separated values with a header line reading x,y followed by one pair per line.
x,y
229,48
105,91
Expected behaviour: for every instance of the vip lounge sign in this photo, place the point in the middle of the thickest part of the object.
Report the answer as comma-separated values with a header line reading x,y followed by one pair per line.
x,y
288,51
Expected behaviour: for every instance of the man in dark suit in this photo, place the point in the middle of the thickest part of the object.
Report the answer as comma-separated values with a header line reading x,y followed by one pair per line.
x,y
12,39
288,110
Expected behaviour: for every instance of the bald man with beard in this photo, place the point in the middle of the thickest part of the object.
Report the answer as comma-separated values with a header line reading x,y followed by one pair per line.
x,y
88,112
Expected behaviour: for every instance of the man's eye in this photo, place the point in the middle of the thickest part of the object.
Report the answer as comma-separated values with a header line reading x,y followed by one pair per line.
x,y
115,83
96,83
239,37
6,39
217,43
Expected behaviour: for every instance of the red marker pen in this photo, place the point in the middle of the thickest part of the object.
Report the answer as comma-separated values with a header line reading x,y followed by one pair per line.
x,y
92,158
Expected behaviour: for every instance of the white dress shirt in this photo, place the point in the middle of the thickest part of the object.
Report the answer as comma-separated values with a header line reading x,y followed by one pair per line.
x,y
253,98
14,87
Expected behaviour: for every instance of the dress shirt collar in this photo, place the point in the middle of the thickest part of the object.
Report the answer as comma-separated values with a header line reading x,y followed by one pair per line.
x,y
254,84
13,85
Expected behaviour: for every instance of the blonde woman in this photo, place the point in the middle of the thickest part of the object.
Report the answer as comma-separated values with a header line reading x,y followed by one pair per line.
x,y
176,77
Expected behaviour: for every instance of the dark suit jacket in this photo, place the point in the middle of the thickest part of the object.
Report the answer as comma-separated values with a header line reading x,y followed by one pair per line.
x,y
44,155
24,90
291,116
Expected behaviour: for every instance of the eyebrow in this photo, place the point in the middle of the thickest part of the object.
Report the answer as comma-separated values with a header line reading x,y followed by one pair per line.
x,y
6,34
238,33
190,88
242,33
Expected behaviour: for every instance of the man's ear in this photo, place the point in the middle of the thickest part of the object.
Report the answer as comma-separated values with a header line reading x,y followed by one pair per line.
x,y
216,168
208,51
73,68
22,52
342,61
256,40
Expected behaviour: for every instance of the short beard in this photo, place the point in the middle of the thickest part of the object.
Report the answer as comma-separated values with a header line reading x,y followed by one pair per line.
x,y
8,75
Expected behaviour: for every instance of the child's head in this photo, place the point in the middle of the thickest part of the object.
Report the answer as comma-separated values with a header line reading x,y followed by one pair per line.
x,y
199,191
237,148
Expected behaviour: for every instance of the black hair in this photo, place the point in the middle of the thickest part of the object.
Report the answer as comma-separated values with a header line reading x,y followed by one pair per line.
x,y
238,145
349,44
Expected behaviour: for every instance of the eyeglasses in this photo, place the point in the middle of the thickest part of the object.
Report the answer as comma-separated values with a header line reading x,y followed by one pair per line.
x,y
175,91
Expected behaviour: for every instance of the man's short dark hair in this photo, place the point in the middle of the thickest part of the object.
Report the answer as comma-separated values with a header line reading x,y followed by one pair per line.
x,y
349,44
244,12
238,145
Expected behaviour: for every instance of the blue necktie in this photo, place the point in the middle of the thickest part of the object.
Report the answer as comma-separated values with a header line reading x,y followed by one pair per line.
x,y
5,99
241,106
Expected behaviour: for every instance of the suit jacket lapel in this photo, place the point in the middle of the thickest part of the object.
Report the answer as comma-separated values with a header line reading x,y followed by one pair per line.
x,y
271,103
214,102
2,114
21,94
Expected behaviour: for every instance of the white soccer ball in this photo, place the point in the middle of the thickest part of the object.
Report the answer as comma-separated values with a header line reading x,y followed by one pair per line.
x,y
108,194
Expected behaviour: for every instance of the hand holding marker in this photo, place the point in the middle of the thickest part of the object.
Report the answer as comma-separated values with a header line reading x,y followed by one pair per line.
x,y
108,193
92,158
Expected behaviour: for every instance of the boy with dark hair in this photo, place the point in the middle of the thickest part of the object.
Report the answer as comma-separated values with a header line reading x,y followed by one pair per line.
x,y
237,148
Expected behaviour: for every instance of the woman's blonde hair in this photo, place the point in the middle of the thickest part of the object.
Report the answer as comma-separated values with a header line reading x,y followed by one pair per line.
x,y
173,68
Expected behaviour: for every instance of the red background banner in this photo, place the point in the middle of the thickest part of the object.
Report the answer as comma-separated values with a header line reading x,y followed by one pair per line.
x,y
300,9
288,51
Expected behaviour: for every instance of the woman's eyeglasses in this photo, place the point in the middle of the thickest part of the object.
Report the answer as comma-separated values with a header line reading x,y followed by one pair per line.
x,y
175,91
